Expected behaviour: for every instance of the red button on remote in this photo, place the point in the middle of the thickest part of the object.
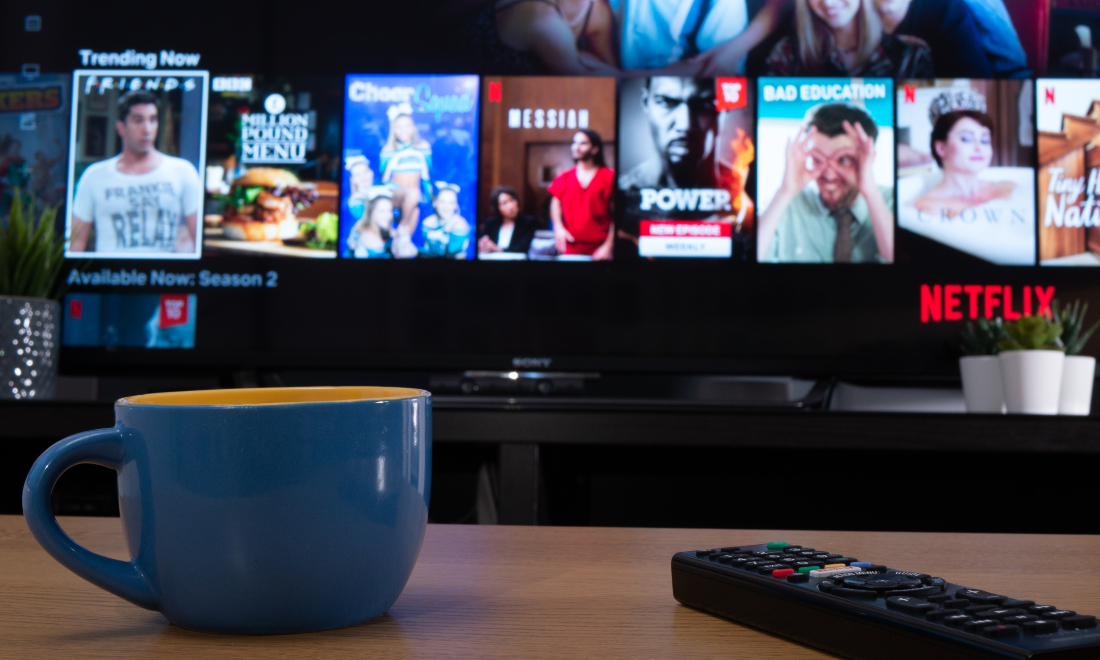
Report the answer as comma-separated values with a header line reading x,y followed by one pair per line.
x,y
782,573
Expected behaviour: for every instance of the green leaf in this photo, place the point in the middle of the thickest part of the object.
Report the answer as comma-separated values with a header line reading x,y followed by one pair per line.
x,y
32,254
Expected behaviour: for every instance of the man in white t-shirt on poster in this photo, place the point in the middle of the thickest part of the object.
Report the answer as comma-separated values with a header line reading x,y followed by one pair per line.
x,y
141,201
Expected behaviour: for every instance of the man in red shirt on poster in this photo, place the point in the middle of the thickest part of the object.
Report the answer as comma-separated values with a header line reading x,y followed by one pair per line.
x,y
580,208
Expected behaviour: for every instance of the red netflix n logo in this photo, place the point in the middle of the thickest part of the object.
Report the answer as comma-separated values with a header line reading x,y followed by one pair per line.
x,y
1048,95
76,308
910,94
496,91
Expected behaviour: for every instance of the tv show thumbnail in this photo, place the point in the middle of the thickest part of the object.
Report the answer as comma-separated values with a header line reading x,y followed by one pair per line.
x,y
273,166
137,145
34,140
965,175
540,136
142,320
826,186
607,37
410,167
686,161
1074,36
1068,118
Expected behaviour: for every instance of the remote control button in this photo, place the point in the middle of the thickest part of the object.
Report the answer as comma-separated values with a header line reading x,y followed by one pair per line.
x,y
861,594
777,545
956,619
1002,613
978,596
882,584
940,615
705,553
804,550
741,561
835,565
798,577
767,569
819,555
1042,609
919,592
842,560
1001,631
1078,622
1039,627
1014,602
875,567
811,563
782,572
762,553
1057,614
973,610
731,549
793,548
939,599
951,602
1020,619
920,577
910,605
977,625
806,569
860,564
826,585
935,582
724,559
833,572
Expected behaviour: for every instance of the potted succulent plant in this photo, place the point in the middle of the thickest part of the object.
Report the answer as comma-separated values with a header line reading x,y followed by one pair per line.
x,y
31,256
981,368
1078,370
1031,365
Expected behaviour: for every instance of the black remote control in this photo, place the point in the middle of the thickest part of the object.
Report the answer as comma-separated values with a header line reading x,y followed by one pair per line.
x,y
858,609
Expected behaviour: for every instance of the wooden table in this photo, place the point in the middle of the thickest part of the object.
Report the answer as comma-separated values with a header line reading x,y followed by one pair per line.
x,y
513,592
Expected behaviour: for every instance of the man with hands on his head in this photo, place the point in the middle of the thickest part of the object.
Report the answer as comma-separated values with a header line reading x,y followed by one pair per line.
x,y
849,218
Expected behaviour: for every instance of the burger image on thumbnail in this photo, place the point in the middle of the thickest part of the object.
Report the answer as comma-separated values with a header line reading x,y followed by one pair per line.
x,y
263,205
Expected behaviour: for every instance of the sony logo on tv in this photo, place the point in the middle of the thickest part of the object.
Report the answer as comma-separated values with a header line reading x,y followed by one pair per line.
x,y
132,58
528,362
953,302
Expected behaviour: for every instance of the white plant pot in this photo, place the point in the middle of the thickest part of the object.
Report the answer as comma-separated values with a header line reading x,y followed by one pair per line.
x,y
1032,381
1077,377
981,378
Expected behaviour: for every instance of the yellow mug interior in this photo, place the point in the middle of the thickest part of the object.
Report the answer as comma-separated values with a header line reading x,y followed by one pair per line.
x,y
260,396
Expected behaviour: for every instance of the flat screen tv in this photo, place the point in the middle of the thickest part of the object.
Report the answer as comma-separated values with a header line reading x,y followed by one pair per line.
x,y
742,186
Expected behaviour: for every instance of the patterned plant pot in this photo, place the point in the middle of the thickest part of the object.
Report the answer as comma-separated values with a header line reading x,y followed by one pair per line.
x,y
29,335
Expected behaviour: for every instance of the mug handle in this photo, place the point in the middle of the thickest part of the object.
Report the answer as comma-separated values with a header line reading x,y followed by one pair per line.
x,y
100,447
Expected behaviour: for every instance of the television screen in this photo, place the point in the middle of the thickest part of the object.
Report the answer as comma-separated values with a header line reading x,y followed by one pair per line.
x,y
660,185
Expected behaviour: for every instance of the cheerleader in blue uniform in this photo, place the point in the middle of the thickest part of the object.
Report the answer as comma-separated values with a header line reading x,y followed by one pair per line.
x,y
406,162
371,237
446,233
361,177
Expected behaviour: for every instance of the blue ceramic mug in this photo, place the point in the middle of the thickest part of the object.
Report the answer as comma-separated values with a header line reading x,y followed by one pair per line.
x,y
255,511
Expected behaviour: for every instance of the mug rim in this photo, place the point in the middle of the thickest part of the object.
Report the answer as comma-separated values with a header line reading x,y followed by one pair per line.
x,y
271,396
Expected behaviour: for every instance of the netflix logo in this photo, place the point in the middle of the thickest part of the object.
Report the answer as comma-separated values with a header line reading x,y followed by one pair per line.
x,y
954,302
